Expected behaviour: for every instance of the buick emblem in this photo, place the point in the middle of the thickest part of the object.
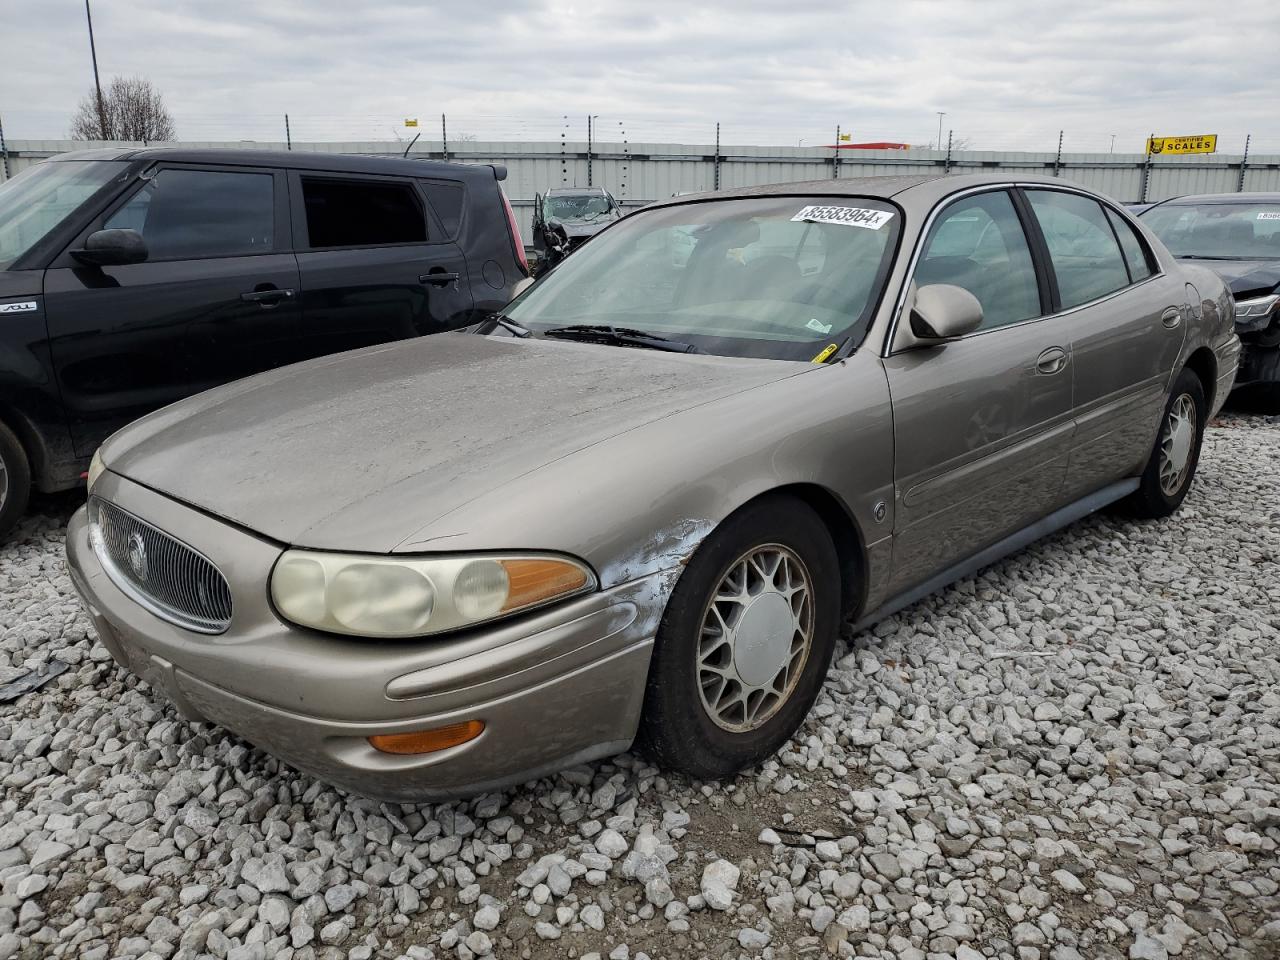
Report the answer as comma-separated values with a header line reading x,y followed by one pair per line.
x,y
137,554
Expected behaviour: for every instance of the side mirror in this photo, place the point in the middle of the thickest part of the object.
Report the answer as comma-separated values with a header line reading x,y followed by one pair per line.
x,y
112,248
943,311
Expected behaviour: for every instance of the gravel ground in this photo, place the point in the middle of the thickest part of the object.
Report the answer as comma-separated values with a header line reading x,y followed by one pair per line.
x,y
1075,754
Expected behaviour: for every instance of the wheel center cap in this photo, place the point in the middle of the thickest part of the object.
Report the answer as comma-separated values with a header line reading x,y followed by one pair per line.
x,y
762,640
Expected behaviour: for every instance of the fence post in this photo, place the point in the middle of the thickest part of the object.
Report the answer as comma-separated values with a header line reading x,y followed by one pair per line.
x,y
1244,160
444,138
588,149
1057,161
835,156
288,137
4,151
716,162
947,167
1146,171
564,161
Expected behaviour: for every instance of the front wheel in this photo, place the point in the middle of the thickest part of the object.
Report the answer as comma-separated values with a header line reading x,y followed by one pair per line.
x,y
1172,467
15,481
745,642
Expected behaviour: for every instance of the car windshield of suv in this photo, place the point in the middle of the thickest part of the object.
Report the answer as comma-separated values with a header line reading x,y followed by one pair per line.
x,y
779,277
576,209
1218,231
39,198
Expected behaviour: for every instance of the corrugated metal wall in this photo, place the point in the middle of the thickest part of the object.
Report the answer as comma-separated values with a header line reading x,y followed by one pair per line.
x,y
638,173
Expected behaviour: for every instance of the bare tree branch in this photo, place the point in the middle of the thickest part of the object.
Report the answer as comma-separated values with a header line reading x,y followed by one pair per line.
x,y
133,110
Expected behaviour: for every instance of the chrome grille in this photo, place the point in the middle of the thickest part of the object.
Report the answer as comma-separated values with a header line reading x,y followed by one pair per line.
x,y
164,575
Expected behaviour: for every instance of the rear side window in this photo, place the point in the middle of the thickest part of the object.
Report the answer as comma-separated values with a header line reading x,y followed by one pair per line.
x,y
357,213
191,214
446,198
1086,257
1135,251
978,243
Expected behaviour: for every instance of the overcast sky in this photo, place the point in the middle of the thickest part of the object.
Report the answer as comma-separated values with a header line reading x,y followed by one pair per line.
x,y
1009,75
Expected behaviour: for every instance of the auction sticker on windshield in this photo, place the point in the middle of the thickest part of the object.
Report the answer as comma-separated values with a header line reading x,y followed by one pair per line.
x,y
1269,215
848,216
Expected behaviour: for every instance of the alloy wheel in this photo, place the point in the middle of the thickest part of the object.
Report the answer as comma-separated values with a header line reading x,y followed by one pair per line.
x,y
1177,442
755,637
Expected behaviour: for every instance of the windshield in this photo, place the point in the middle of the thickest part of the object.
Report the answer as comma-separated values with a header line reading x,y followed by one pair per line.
x,y
39,198
1229,231
782,277
573,209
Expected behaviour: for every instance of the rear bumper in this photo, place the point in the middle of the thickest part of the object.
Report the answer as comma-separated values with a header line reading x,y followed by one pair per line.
x,y
553,689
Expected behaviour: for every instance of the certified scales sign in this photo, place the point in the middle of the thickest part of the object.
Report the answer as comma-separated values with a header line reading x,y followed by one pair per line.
x,y
1200,143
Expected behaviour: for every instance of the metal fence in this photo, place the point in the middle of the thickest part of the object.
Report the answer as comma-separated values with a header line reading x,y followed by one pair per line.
x,y
638,173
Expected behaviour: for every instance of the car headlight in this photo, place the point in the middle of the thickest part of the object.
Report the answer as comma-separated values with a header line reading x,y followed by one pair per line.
x,y
1256,307
371,596
96,466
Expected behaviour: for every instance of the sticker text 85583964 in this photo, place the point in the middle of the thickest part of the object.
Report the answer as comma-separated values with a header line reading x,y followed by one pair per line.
x,y
846,216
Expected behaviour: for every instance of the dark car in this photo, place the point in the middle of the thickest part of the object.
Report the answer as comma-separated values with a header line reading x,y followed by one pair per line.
x,y
1238,236
581,211
133,278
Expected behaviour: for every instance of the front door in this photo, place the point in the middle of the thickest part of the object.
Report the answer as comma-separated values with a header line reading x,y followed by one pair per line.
x,y
215,300
982,424
375,266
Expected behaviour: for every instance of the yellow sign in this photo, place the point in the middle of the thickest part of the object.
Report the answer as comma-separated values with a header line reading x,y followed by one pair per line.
x,y
411,122
1200,143
846,137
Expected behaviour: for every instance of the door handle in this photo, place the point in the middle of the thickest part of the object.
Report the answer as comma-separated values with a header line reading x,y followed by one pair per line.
x,y
267,298
438,277
1052,361
1171,317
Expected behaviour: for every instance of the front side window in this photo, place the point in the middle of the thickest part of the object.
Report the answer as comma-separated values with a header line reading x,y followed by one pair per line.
x,y
1218,231
978,243
358,213
779,277
192,214
1086,256
39,198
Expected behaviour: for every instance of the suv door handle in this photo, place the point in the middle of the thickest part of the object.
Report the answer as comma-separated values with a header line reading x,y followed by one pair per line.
x,y
1052,361
1171,317
438,277
267,298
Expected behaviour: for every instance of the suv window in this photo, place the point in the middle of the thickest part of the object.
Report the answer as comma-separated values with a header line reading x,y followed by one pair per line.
x,y
1086,256
445,197
978,243
1135,251
191,214
356,213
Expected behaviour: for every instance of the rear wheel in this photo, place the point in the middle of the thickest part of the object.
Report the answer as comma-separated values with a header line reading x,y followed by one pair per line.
x,y
745,641
1172,467
15,481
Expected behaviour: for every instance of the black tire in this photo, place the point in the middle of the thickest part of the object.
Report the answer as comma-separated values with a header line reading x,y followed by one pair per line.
x,y
1262,395
676,728
15,481
1151,500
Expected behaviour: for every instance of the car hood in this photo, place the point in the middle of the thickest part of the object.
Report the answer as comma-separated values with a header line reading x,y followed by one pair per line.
x,y
590,229
1246,278
358,450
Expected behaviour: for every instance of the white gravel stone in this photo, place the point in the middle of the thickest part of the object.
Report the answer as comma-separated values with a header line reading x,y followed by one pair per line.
x,y
719,882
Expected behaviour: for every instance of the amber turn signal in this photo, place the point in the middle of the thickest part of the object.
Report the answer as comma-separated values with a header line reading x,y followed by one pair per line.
x,y
535,581
427,741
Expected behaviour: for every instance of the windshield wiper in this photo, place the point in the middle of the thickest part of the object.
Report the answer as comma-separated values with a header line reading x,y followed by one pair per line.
x,y
1206,256
622,336
518,329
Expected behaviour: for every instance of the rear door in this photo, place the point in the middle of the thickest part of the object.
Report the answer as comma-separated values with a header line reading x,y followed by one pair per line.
x,y
214,301
375,264
982,424
1126,323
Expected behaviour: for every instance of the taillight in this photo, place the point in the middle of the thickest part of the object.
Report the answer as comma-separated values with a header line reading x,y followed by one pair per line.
x,y
515,231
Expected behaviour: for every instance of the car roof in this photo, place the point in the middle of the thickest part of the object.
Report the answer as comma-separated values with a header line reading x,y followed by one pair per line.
x,y
1258,197
575,191
296,159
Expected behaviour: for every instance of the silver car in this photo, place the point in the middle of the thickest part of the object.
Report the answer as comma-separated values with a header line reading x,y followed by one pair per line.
x,y
639,505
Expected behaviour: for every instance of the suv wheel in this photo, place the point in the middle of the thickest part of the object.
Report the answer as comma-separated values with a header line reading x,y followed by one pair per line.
x,y
15,481
745,642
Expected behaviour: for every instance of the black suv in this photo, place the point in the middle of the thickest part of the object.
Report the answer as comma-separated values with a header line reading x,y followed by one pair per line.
x,y
132,278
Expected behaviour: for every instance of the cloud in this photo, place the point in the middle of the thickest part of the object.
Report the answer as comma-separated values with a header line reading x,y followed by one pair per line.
x,y
1009,75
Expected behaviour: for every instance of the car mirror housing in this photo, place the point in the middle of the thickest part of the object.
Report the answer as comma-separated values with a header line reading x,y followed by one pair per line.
x,y
112,248
943,311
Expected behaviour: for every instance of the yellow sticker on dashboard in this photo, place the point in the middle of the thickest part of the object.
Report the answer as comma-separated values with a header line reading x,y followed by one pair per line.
x,y
825,352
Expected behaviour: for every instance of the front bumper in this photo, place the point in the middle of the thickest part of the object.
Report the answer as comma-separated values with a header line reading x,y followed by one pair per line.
x,y
553,688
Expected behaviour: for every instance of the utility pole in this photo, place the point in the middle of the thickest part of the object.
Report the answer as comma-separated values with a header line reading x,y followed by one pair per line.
x,y
97,85
941,114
